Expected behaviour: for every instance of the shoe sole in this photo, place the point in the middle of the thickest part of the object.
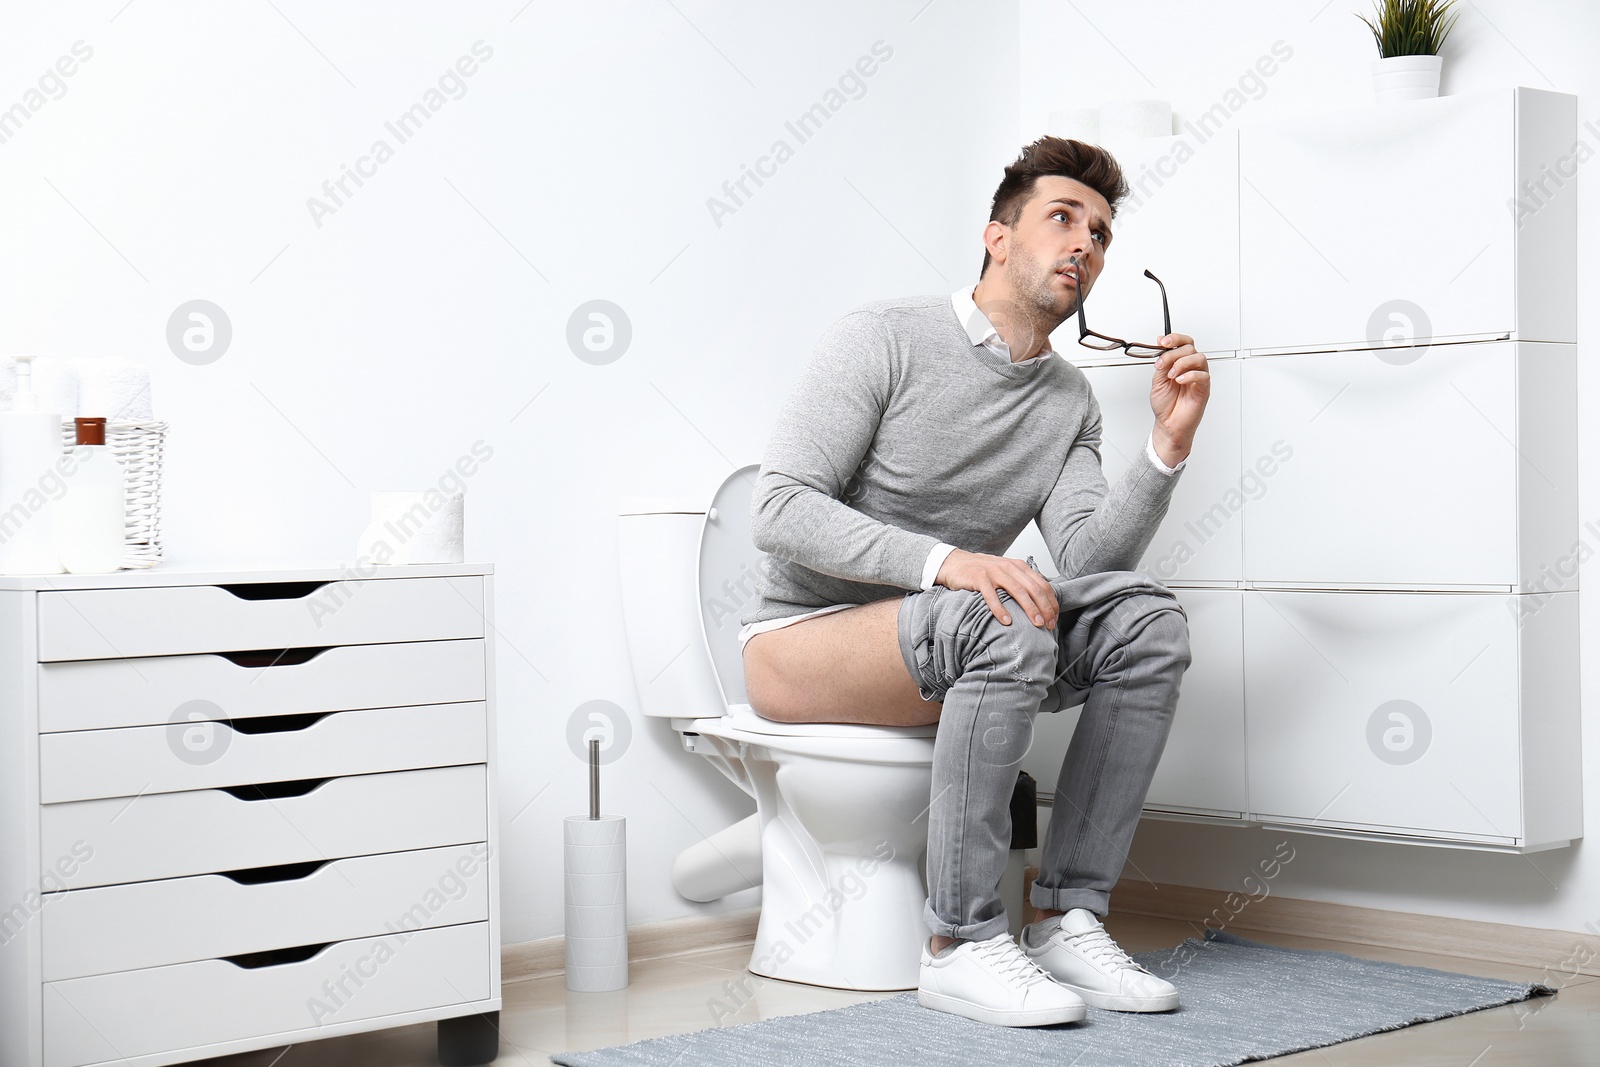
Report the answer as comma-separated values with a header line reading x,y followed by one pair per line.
x,y
1071,1013
1110,1002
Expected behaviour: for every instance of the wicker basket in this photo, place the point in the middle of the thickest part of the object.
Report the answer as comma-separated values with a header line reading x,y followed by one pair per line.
x,y
137,446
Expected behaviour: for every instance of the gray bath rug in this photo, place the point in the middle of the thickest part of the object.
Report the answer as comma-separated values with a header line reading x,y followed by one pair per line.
x,y
1242,1001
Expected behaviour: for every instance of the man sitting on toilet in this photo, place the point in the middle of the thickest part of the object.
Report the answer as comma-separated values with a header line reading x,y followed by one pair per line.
x,y
922,437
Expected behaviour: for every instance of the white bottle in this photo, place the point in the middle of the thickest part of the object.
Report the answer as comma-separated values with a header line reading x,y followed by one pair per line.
x,y
91,515
30,448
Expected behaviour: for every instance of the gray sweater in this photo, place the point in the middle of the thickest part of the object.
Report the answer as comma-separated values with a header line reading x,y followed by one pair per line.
x,y
901,434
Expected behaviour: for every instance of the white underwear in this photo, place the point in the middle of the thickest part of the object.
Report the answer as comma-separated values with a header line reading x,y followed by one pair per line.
x,y
749,630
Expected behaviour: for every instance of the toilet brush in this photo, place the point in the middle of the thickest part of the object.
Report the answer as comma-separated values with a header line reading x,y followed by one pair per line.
x,y
596,877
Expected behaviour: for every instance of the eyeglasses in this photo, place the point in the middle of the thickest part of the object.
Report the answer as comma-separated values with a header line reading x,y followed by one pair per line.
x,y
1137,349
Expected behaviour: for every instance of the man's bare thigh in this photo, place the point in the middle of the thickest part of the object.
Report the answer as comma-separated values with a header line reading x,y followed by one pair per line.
x,y
841,667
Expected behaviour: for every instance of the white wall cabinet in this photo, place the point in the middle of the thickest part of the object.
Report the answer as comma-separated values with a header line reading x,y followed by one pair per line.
x,y
1398,713
1457,468
1202,537
245,808
1363,221
1397,521
1203,769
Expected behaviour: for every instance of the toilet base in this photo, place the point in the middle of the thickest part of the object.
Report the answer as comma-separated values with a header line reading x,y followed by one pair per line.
x,y
858,926
843,846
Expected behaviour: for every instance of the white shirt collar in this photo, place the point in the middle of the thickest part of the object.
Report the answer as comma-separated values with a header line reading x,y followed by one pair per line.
x,y
979,329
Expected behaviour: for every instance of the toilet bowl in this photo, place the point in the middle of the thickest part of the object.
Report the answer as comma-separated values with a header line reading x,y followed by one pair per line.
x,y
838,840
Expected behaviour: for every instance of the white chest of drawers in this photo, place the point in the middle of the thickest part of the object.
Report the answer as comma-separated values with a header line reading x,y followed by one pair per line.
x,y
245,808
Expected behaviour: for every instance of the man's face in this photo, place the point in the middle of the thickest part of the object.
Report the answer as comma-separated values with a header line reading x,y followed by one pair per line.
x,y
1061,219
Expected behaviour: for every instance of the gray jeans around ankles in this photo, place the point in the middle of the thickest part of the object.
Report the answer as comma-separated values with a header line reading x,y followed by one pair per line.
x,y
1120,647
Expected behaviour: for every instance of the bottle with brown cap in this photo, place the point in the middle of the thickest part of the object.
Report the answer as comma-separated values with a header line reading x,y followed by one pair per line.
x,y
91,515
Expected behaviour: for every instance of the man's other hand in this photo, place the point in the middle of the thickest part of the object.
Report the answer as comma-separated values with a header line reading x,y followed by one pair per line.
x,y
985,574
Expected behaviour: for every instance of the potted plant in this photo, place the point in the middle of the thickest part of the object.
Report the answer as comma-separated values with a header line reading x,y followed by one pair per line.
x,y
1408,34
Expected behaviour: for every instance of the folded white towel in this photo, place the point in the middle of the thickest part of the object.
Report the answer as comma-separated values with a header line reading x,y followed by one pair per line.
x,y
114,388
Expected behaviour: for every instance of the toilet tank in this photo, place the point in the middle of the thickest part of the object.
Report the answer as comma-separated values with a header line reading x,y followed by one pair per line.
x,y
657,546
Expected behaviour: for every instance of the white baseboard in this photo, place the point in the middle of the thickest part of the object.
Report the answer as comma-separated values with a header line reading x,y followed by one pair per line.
x,y
647,941
1558,951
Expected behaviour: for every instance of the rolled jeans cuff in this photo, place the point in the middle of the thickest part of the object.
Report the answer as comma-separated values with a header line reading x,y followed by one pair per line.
x,y
1065,900
983,931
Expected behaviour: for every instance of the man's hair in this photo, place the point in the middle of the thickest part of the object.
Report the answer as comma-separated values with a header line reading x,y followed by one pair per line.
x,y
1087,163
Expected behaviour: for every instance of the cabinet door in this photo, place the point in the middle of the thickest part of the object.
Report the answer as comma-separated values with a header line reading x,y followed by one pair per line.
x,y
1387,712
1181,223
1397,474
1202,768
1200,539
1363,221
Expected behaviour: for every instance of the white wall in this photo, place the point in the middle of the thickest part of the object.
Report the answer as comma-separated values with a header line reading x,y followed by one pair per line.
x,y
429,310
1079,55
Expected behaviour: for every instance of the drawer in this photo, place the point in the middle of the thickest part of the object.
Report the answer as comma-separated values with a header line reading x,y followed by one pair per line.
x,y
86,764
116,1017
171,620
100,694
179,920
167,835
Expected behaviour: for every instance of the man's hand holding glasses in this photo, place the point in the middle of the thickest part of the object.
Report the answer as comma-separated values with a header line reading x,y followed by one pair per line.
x,y
1180,386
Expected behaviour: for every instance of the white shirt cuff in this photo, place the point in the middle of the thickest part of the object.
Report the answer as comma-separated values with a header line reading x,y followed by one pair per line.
x,y
1150,450
936,558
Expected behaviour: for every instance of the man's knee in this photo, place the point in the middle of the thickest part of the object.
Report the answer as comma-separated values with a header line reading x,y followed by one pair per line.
x,y
1156,625
1028,652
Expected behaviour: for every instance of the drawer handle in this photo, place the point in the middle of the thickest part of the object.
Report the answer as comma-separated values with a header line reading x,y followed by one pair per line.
x,y
274,790
273,590
282,872
277,724
276,957
273,657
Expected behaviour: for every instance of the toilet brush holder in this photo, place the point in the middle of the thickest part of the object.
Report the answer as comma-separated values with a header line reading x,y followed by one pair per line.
x,y
594,848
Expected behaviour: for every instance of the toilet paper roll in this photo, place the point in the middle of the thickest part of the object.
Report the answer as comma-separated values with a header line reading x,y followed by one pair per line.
x,y
582,979
592,927
596,906
113,388
596,889
1127,119
1079,124
409,528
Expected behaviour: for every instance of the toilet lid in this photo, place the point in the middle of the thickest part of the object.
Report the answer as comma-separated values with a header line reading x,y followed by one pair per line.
x,y
728,565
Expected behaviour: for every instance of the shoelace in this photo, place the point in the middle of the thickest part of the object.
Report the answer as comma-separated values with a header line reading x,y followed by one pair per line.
x,y
1010,961
1099,946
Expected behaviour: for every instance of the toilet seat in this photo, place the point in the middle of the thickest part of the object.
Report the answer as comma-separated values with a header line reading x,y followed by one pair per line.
x,y
746,718
850,742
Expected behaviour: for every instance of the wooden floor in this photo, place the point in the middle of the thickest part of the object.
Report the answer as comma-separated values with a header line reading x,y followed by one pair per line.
x,y
693,991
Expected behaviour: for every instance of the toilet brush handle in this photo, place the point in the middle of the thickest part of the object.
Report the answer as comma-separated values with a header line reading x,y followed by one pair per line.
x,y
594,777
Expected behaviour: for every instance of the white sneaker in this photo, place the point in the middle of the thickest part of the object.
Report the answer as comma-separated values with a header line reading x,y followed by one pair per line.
x,y
993,982
1080,955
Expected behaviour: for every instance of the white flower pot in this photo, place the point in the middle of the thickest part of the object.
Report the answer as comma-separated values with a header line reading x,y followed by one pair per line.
x,y
1405,78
